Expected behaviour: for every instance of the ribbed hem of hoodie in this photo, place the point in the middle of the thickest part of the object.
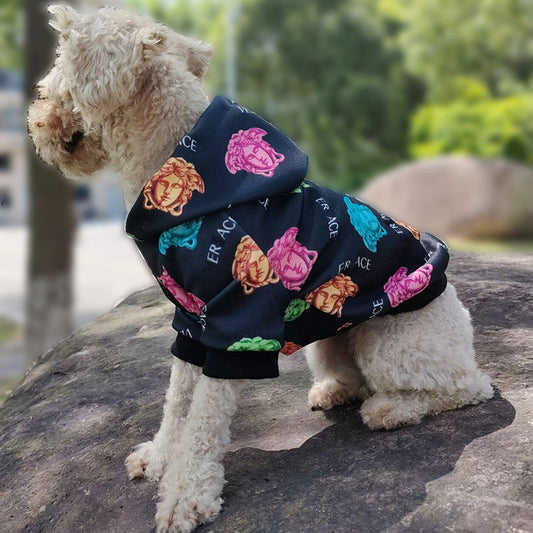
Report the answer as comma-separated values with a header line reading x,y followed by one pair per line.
x,y
226,365
241,365
188,350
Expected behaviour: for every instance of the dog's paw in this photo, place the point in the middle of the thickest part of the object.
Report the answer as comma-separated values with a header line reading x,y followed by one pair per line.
x,y
382,412
329,392
183,515
145,462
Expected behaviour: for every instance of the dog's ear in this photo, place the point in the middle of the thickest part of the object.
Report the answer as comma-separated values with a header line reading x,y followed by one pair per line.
x,y
64,17
100,60
199,57
197,53
153,41
101,76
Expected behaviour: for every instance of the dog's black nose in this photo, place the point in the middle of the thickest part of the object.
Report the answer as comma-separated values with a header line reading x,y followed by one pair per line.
x,y
71,145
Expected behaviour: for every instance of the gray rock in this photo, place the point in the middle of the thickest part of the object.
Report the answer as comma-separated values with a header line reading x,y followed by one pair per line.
x,y
67,428
458,197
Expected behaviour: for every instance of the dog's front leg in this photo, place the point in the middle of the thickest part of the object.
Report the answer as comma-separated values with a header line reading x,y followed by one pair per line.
x,y
149,459
192,483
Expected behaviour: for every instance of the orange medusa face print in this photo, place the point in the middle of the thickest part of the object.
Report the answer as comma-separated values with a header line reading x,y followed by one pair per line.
x,y
251,266
172,186
414,231
330,296
290,347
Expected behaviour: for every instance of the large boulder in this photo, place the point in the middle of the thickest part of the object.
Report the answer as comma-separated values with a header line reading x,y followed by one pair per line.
x,y
458,197
66,429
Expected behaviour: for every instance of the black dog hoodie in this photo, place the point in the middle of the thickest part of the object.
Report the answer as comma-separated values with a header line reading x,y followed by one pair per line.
x,y
258,260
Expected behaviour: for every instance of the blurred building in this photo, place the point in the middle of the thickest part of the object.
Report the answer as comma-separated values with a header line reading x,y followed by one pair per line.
x,y
99,198
13,196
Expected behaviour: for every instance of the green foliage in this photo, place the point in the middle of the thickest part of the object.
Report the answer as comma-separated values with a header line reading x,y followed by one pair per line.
x,y
476,58
7,329
490,40
11,42
484,127
322,73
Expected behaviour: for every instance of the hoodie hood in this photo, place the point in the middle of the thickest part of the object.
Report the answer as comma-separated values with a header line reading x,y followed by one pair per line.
x,y
231,156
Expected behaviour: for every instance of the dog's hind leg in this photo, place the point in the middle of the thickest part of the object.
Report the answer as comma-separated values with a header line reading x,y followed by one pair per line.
x,y
419,363
150,458
402,408
191,486
337,379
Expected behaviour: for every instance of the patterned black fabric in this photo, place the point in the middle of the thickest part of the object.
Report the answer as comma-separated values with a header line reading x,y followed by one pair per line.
x,y
259,260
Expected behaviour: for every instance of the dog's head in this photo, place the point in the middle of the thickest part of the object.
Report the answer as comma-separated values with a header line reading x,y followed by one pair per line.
x,y
58,131
108,64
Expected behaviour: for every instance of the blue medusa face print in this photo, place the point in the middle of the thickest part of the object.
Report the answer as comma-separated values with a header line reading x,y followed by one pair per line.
x,y
184,235
365,223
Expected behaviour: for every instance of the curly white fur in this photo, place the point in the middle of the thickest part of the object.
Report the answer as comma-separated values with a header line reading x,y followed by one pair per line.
x,y
151,458
192,484
124,90
411,364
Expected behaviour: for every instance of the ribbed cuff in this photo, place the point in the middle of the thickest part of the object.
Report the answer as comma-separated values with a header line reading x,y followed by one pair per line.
x,y
226,365
241,365
188,350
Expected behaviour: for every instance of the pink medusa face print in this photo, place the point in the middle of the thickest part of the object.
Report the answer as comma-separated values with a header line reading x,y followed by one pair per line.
x,y
402,287
188,300
248,151
291,260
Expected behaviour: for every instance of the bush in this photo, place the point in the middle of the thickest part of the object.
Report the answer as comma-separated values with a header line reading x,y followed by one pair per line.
x,y
484,127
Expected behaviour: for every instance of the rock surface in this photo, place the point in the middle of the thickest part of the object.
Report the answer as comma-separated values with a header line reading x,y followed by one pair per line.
x,y
458,197
67,428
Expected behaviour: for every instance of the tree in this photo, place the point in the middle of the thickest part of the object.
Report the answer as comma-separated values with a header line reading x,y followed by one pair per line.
x,y
476,59
51,220
11,50
482,126
489,40
323,73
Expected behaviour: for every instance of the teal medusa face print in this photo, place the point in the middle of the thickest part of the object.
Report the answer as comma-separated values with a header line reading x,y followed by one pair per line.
x,y
365,223
184,235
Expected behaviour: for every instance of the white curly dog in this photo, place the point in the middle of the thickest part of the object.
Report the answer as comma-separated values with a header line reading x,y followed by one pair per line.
x,y
123,91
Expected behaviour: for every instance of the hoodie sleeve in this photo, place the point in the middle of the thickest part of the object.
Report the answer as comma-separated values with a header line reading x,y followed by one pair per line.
x,y
230,302
244,331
